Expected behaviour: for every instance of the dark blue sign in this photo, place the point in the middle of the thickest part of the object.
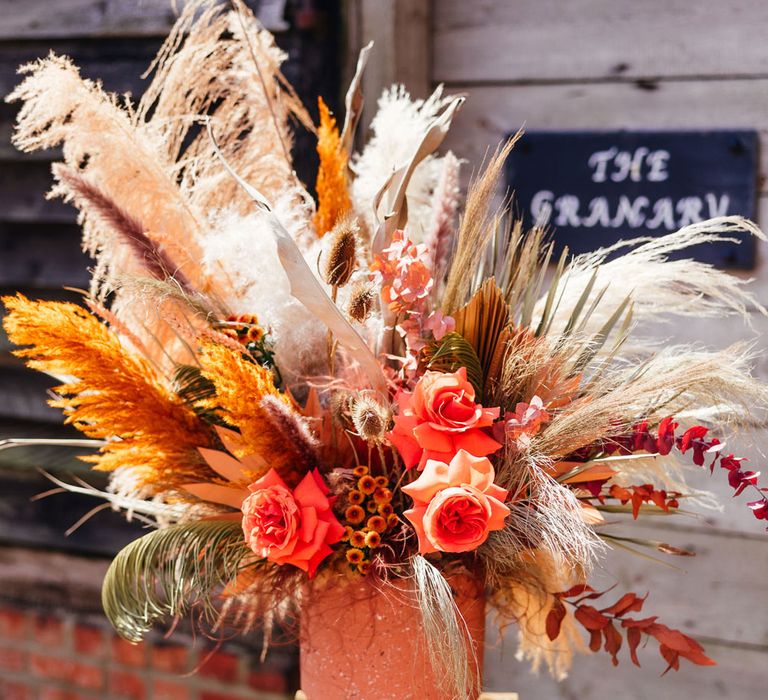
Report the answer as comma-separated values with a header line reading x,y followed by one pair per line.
x,y
596,188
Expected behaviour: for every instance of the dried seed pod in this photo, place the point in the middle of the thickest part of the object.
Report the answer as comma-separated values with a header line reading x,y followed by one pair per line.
x,y
370,415
341,256
361,301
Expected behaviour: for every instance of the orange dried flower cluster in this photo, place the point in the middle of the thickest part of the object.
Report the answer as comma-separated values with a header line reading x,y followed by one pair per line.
x,y
333,200
113,393
245,329
368,516
241,385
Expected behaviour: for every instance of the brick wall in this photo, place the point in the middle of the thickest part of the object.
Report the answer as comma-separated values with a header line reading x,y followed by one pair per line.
x,y
50,655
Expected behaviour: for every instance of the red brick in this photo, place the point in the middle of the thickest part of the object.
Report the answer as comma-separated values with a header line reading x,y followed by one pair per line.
x,y
13,623
170,658
168,690
129,654
89,641
66,670
12,659
221,666
58,694
49,631
52,667
272,681
126,685
15,691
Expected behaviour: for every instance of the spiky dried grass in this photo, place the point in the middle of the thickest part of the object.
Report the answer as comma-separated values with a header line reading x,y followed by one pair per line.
x,y
476,230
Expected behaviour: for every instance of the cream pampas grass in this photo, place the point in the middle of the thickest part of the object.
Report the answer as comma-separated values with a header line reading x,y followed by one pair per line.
x,y
398,128
225,65
656,285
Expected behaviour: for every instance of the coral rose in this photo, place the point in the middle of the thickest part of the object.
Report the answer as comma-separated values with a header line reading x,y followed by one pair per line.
x,y
441,417
456,505
290,527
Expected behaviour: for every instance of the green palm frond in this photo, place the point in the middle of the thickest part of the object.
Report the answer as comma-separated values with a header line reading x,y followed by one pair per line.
x,y
168,572
192,387
454,351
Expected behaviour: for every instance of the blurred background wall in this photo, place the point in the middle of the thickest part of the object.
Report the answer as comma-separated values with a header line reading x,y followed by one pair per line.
x,y
548,64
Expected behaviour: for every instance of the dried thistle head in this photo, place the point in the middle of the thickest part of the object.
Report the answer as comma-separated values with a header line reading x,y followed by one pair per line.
x,y
361,301
370,415
341,256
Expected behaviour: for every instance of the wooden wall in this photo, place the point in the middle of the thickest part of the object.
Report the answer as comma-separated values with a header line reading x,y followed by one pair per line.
x,y
656,64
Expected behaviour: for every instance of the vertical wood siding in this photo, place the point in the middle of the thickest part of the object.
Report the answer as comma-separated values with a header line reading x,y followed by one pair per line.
x,y
658,64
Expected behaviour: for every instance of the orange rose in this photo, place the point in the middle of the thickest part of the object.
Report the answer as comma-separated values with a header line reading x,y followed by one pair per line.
x,y
441,417
456,505
290,527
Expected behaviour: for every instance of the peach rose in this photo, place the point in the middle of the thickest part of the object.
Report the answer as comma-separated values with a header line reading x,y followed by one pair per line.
x,y
456,505
290,527
441,417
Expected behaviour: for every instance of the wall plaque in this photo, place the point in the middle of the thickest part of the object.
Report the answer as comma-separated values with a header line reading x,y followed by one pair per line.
x,y
594,188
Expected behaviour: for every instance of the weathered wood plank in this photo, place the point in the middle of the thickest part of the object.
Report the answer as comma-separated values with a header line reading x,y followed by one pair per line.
x,y
23,395
43,523
42,256
81,18
529,40
117,63
492,112
739,675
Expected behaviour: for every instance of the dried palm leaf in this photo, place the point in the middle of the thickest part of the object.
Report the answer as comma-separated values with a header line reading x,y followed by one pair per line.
x,y
167,573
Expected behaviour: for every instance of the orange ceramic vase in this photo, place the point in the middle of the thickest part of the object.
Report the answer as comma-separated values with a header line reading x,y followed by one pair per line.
x,y
360,642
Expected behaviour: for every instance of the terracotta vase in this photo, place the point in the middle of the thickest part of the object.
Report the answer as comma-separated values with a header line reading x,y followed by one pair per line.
x,y
360,642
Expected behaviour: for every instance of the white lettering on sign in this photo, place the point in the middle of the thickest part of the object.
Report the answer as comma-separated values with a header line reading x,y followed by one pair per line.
x,y
638,165
615,165
640,212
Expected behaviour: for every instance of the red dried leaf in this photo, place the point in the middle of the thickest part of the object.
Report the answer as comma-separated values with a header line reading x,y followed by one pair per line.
x,y
629,602
613,642
633,641
595,640
590,618
643,624
576,590
671,657
555,620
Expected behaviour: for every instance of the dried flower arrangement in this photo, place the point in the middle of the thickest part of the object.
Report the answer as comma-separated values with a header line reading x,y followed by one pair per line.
x,y
359,387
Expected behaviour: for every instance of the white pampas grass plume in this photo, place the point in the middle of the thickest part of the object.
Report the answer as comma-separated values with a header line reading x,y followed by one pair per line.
x,y
656,285
398,127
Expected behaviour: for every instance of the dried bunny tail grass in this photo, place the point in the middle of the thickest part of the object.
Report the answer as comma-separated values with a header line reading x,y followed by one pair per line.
x,y
224,65
101,143
675,380
241,387
111,394
476,230
127,229
656,284
445,203
332,191
446,635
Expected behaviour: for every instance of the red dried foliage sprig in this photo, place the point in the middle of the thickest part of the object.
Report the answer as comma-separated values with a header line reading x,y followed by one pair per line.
x,y
605,625
662,442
